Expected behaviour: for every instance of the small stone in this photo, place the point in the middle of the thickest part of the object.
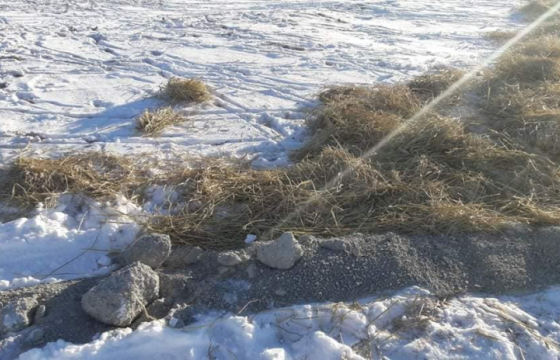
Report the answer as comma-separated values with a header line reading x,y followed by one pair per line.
x,y
336,245
307,240
40,313
120,298
252,271
232,258
183,256
37,335
224,270
16,315
151,250
176,323
280,292
281,253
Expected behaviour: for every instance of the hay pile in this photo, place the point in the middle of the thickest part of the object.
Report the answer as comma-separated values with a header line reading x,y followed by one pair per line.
x,y
186,90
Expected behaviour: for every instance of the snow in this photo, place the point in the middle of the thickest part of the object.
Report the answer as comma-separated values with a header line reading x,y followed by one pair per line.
x,y
77,73
250,239
469,326
70,241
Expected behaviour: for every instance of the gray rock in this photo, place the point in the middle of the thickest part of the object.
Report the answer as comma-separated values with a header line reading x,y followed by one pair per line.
x,y
40,313
36,335
307,240
336,245
252,271
120,298
281,253
176,323
183,256
156,310
17,315
232,258
339,245
151,250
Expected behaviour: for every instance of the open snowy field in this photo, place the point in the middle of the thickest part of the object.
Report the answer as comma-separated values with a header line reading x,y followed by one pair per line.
x,y
74,74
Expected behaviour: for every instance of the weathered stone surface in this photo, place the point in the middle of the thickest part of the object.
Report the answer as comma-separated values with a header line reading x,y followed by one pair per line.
x,y
281,253
252,271
151,250
232,258
39,313
16,315
337,245
183,256
120,298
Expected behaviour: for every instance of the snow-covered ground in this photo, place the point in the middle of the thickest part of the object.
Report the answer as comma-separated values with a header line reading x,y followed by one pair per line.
x,y
407,325
75,73
67,242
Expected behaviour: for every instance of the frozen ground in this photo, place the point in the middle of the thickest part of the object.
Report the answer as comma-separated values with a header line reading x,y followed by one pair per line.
x,y
75,74
408,325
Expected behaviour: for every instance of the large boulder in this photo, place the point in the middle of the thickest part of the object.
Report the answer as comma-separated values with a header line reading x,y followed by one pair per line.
x,y
120,298
281,253
17,315
151,249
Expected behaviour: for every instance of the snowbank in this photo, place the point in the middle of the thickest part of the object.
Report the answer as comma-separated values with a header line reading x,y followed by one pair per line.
x,y
411,324
67,242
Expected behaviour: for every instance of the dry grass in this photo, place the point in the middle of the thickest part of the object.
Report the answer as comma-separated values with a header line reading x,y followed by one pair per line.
x,y
500,36
32,180
515,68
358,116
536,8
186,90
154,122
396,99
521,94
546,46
432,85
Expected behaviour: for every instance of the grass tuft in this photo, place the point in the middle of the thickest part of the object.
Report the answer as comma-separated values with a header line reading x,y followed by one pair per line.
x,y
186,90
500,36
154,122
431,85
543,46
515,68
